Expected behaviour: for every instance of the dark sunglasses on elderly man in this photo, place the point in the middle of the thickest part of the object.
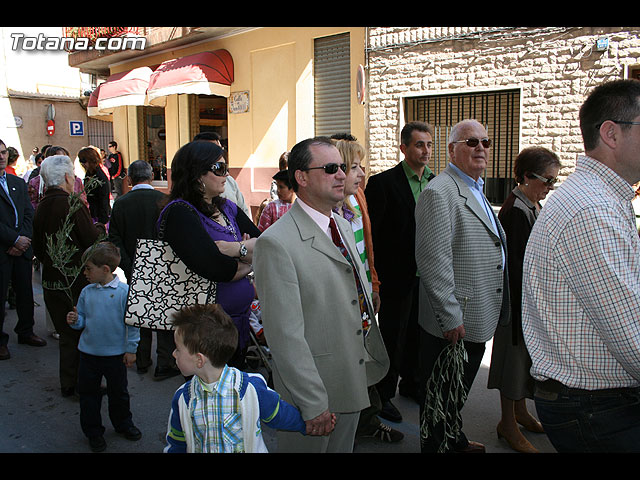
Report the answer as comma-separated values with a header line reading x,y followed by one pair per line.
x,y
330,168
219,169
473,142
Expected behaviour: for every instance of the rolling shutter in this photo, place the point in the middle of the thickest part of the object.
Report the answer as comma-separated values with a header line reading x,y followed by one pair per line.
x,y
332,85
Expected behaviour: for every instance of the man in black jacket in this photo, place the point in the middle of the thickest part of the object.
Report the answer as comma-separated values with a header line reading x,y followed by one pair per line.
x,y
115,165
134,216
16,254
391,198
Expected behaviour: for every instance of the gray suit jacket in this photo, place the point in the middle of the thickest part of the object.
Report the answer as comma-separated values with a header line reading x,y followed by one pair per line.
x,y
311,317
460,261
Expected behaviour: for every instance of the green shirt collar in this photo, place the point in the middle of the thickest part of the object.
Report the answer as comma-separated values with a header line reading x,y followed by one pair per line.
x,y
417,184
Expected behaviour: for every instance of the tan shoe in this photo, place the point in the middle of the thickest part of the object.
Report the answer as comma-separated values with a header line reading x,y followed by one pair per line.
x,y
516,440
530,424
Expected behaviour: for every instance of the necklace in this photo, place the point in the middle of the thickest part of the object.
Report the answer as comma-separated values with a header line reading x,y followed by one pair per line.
x,y
229,226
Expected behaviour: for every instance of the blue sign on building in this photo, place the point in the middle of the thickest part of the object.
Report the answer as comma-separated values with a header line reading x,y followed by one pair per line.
x,y
76,129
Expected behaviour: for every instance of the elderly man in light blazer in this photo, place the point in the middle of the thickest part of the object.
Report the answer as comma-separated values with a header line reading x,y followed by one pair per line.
x,y
322,333
461,257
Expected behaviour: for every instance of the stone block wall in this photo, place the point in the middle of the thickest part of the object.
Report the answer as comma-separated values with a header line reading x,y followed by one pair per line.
x,y
555,68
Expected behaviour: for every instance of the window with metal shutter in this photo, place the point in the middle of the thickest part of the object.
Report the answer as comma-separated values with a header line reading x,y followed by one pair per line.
x,y
332,85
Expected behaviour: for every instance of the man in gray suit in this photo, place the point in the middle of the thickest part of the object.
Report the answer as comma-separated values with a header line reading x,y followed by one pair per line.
x,y
460,254
316,311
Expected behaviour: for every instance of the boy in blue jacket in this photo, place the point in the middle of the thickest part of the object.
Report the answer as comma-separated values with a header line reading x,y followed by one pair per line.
x,y
220,409
107,346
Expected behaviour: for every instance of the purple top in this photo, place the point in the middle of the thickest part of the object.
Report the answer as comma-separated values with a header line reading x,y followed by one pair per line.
x,y
234,297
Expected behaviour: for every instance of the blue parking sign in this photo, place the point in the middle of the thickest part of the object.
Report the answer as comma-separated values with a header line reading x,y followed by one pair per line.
x,y
76,129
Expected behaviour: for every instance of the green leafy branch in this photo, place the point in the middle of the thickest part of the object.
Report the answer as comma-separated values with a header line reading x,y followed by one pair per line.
x,y
61,252
446,395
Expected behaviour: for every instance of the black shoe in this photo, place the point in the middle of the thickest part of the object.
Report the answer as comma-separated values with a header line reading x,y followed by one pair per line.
x,y
166,372
390,412
33,340
132,433
386,434
97,444
4,353
68,391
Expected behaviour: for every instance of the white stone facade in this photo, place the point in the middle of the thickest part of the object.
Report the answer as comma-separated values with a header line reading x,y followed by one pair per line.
x,y
554,68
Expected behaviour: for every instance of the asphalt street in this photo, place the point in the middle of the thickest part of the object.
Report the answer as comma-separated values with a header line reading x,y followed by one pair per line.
x,y
35,418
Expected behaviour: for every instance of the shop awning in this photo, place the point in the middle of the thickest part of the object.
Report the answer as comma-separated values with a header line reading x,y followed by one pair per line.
x,y
92,106
205,73
125,88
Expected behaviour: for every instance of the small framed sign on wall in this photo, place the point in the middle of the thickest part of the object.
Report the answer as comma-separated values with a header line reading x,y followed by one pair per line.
x,y
239,102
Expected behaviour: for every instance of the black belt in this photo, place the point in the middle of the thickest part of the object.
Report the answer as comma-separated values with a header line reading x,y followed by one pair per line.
x,y
553,386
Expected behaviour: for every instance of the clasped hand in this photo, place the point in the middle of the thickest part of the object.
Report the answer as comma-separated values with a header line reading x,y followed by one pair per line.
x,y
21,246
323,424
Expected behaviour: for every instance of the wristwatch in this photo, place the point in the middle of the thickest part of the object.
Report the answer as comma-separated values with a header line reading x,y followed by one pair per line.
x,y
243,250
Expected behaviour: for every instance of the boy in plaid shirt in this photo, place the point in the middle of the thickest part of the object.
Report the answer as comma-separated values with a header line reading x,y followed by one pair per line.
x,y
220,409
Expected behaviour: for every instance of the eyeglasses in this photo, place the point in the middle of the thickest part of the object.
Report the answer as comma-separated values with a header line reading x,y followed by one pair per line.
x,y
547,181
330,168
219,169
623,122
473,142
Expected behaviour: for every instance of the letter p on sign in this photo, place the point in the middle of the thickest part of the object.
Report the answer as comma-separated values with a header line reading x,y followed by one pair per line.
x,y
76,129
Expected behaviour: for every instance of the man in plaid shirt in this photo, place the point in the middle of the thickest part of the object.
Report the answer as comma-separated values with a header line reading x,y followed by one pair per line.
x,y
581,286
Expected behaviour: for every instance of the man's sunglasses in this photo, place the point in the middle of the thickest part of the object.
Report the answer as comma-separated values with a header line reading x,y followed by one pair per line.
x,y
219,169
330,168
473,142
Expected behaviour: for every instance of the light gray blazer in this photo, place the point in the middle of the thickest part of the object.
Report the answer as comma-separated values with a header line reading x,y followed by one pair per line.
x,y
311,317
459,257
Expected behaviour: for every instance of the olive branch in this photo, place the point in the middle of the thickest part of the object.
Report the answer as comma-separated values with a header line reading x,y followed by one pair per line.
x,y
61,251
446,395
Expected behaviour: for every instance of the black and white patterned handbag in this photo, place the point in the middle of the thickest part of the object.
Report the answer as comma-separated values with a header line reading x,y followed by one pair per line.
x,y
161,284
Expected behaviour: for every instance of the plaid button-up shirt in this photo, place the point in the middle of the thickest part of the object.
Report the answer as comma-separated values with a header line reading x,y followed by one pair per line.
x,y
581,283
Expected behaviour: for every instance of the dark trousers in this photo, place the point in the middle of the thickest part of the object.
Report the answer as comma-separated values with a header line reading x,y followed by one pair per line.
x,y
430,349
369,421
17,271
58,306
398,320
581,421
164,348
90,372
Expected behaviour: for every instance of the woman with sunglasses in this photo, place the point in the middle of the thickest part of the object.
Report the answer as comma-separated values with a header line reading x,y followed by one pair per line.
x,y
535,172
354,209
211,235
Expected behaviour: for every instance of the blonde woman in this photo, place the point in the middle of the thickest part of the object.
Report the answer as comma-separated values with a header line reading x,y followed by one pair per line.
x,y
354,209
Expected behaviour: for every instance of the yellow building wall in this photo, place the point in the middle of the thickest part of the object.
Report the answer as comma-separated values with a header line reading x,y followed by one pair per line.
x,y
275,66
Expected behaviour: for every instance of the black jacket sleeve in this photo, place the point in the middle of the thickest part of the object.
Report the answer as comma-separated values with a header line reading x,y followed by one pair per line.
x,y
246,224
183,230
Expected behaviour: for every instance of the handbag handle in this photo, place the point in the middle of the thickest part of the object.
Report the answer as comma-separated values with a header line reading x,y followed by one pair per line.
x,y
162,218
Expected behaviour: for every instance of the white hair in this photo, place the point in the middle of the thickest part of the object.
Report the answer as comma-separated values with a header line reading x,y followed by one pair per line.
x,y
455,133
54,168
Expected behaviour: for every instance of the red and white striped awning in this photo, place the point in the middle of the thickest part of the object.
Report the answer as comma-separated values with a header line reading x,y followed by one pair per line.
x,y
125,88
205,73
